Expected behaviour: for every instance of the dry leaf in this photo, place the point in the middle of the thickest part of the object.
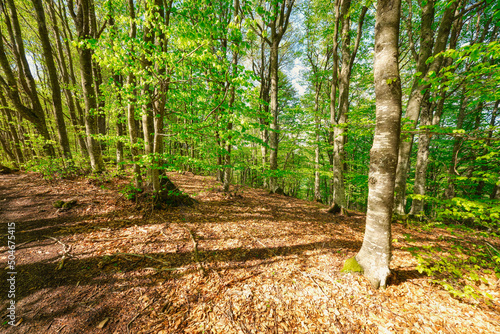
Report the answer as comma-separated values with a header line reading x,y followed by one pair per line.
x,y
103,323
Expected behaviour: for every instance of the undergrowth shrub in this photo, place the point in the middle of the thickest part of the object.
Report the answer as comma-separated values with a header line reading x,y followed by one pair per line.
x,y
54,168
462,263
479,214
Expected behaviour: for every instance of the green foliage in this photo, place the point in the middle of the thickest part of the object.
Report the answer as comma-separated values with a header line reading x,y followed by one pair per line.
x,y
483,214
130,192
53,168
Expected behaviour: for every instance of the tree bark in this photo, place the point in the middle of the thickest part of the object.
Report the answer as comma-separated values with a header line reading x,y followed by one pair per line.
x,y
232,96
419,87
340,128
429,116
457,142
63,67
317,125
131,121
424,140
375,254
35,114
278,27
333,100
264,110
82,25
12,129
273,106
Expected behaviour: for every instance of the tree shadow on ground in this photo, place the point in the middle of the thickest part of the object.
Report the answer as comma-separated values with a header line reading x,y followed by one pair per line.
x,y
106,269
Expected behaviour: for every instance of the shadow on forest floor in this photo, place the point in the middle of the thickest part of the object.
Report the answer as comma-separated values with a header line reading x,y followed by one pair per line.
x,y
249,263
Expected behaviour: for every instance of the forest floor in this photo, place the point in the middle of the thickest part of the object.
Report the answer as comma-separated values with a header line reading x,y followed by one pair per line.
x,y
246,263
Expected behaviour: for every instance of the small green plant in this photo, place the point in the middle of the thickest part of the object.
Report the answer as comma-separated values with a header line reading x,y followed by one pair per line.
x,y
130,192
52,168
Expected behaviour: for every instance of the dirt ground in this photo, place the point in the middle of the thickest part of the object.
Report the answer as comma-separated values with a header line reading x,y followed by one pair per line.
x,y
246,263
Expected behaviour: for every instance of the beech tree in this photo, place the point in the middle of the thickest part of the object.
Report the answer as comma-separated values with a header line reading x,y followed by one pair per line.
x,y
275,17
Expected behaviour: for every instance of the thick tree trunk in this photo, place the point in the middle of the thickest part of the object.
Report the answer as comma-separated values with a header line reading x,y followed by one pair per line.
x,y
375,254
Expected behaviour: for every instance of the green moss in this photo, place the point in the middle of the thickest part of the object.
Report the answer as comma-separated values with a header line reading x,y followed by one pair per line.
x,y
352,266
68,205
58,204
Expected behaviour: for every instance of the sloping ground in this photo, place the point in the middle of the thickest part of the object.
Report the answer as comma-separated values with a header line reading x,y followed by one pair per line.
x,y
246,263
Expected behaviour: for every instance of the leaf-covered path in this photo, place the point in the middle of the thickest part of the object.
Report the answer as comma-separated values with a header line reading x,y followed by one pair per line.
x,y
246,263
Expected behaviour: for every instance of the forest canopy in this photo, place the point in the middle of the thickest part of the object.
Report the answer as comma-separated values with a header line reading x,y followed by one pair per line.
x,y
274,94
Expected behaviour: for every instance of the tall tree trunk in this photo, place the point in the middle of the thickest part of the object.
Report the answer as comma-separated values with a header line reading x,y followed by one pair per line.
x,y
68,36
424,140
273,106
317,124
264,110
375,254
131,121
162,93
278,26
53,78
82,23
341,117
457,142
35,114
63,67
429,116
232,95
12,129
100,116
333,99
343,82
